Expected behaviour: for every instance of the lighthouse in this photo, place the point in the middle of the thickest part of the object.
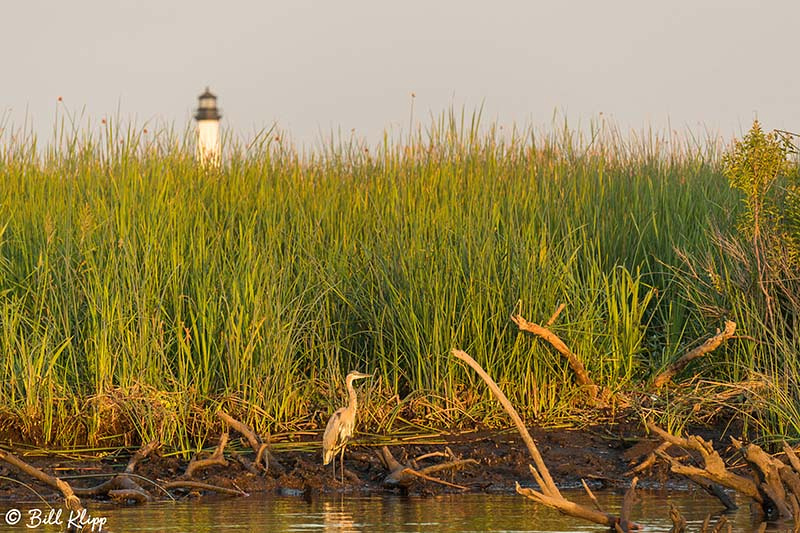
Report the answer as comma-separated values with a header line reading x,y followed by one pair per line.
x,y
207,117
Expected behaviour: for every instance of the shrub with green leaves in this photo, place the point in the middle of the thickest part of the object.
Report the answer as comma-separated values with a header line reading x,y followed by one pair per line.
x,y
759,167
753,278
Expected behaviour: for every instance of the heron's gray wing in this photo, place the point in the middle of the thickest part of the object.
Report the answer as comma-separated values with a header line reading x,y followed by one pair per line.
x,y
330,438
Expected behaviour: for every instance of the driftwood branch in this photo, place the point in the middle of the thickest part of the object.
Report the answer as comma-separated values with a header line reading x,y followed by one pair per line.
x,y
795,512
431,454
246,463
678,521
548,494
793,459
72,502
196,485
263,454
581,375
121,487
716,490
419,474
649,460
591,496
712,488
714,468
141,454
769,480
117,484
570,508
718,527
450,465
539,470
402,475
216,459
126,495
553,318
628,502
707,347
774,485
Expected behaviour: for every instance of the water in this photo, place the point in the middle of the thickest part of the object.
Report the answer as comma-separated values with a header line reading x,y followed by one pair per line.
x,y
395,514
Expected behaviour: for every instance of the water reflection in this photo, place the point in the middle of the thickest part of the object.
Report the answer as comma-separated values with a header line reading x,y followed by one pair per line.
x,y
329,516
445,514
336,519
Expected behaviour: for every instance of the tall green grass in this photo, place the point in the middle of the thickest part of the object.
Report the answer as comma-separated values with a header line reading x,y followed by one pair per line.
x,y
140,291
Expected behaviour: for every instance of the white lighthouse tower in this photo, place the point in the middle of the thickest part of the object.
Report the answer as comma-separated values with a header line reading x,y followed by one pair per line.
x,y
207,116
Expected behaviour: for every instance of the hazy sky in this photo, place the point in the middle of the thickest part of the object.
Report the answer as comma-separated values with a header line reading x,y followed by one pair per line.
x,y
313,66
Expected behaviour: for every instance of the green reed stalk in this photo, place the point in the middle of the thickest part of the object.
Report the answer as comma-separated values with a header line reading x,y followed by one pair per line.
x,y
141,291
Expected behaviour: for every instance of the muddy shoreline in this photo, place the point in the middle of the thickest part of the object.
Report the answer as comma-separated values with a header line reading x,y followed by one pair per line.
x,y
600,455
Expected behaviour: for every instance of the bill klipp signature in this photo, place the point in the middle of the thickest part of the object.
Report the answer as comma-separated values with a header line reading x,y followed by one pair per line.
x,y
76,521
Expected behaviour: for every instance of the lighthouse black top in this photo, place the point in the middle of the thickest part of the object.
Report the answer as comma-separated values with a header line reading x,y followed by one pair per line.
x,y
207,109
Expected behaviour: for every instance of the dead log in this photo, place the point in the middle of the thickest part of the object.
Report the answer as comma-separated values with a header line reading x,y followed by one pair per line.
x,y
649,460
793,459
714,468
570,508
72,502
766,471
581,375
119,484
263,455
716,491
216,459
796,513
122,484
774,485
707,347
401,475
126,495
548,493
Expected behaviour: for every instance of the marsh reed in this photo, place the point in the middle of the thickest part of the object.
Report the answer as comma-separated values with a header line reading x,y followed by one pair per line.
x,y
140,291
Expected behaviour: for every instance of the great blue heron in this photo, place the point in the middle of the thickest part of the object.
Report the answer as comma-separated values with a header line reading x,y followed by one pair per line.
x,y
340,426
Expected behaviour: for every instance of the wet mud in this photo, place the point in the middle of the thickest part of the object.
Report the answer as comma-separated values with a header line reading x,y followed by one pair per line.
x,y
599,455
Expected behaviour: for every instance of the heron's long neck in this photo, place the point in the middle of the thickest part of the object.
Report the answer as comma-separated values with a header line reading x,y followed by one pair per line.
x,y
352,394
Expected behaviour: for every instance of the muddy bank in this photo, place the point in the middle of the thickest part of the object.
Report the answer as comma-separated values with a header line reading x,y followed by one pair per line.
x,y
600,455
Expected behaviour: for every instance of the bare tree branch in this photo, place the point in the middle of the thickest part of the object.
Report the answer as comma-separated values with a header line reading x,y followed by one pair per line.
x,y
549,495
575,363
707,347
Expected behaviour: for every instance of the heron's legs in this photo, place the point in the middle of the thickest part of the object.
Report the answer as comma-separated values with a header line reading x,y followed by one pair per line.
x,y
341,464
